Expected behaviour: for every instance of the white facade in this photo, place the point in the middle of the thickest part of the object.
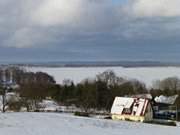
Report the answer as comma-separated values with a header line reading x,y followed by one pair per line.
x,y
135,109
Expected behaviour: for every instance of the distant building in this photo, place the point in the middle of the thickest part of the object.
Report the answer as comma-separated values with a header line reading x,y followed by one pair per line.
x,y
7,80
166,107
133,109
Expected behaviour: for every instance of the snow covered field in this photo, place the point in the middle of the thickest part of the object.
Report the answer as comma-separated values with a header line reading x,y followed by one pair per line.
x,y
64,124
144,74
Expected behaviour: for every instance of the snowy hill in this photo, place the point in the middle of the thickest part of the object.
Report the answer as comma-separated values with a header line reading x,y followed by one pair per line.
x,y
64,124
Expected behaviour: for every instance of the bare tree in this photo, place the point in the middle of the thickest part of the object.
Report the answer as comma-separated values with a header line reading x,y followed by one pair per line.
x,y
169,86
171,83
110,78
3,92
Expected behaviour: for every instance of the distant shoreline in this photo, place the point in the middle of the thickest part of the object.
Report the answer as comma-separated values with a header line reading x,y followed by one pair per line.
x,y
126,64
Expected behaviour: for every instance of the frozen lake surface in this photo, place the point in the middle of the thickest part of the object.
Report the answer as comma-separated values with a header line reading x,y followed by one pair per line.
x,y
144,74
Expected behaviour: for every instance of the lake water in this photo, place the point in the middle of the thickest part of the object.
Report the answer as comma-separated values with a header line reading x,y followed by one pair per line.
x,y
144,74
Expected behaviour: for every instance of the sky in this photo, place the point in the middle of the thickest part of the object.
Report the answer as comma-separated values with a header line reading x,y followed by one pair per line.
x,y
89,30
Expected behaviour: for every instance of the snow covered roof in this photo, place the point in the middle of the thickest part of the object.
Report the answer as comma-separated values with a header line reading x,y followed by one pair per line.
x,y
165,99
120,103
136,106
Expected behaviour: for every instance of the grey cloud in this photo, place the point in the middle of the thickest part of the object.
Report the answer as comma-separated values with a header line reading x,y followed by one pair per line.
x,y
151,8
45,23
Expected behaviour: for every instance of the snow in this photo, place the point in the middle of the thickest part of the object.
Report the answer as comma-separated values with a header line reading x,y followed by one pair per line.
x,y
77,74
49,105
52,106
165,99
63,124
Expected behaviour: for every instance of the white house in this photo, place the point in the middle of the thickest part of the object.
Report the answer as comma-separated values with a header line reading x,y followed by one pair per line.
x,y
133,109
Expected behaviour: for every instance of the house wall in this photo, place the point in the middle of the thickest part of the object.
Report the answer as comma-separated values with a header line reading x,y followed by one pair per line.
x,y
128,117
149,113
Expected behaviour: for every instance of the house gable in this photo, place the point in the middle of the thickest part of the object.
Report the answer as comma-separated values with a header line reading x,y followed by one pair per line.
x,y
135,109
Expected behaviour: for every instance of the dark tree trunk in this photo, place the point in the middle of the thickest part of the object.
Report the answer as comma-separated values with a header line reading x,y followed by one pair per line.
x,y
4,101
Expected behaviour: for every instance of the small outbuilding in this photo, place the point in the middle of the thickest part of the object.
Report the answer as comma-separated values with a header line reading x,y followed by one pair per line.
x,y
132,109
167,107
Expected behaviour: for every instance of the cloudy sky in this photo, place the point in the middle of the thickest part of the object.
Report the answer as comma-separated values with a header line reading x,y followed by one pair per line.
x,y
89,30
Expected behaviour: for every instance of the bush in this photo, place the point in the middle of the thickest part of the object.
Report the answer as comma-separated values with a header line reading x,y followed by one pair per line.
x,y
165,123
84,114
15,106
108,118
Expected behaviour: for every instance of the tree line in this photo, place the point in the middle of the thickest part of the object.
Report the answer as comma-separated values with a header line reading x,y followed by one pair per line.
x,y
97,93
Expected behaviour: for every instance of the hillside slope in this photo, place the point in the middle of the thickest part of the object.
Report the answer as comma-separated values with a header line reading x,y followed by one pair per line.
x,y
63,124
